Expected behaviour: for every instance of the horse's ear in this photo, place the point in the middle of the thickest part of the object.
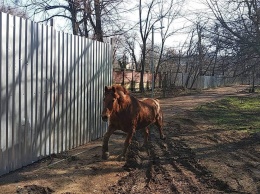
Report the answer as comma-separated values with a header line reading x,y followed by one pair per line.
x,y
114,92
106,88
113,89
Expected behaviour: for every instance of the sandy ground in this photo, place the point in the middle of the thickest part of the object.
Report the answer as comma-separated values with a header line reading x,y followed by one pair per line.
x,y
195,158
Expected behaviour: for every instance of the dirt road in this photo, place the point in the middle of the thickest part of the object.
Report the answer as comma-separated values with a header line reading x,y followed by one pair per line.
x,y
195,158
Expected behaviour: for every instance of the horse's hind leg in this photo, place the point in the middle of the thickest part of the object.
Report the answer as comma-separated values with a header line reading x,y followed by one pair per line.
x,y
159,124
126,144
146,136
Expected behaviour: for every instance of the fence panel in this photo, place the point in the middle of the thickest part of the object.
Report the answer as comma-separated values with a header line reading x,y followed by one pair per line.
x,y
51,89
4,82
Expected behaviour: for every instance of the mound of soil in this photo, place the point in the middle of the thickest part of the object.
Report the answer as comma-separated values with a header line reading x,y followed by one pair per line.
x,y
34,189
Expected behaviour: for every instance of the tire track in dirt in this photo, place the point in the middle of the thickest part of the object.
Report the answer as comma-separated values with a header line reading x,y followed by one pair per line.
x,y
171,167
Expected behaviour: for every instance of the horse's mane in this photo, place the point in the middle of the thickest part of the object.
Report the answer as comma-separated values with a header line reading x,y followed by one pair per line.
x,y
119,88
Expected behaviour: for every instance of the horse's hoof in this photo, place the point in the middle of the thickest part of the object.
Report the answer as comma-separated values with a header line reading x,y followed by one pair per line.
x,y
143,148
105,155
121,157
162,137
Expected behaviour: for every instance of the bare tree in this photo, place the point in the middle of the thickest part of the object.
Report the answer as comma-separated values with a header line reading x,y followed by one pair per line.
x,y
171,11
243,23
88,18
13,10
151,13
239,22
189,68
145,27
130,42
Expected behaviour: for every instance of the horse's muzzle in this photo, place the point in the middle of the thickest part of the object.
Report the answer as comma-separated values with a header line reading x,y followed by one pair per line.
x,y
105,118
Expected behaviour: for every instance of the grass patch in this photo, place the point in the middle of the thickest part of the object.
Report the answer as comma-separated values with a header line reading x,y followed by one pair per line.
x,y
237,113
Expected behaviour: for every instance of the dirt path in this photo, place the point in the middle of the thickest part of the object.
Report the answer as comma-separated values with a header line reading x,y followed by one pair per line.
x,y
188,161
172,166
181,104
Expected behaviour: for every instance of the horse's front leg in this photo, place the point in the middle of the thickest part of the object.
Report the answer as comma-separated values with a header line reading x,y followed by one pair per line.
x,y
105,153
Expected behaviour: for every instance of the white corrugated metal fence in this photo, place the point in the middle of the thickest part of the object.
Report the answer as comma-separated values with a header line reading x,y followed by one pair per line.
x,y
51,90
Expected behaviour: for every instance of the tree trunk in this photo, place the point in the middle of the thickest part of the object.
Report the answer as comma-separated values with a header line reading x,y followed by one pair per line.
x,y
199,32
73,11
178,69
98,29
85,18
141,84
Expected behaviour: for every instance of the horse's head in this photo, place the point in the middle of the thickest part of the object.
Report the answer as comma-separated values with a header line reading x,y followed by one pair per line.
x,y
112,98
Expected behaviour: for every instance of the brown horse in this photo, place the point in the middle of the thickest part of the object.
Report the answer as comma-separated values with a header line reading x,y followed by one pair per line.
x,y
126,113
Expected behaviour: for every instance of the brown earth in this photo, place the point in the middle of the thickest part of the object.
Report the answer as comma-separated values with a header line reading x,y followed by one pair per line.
x,y
195,158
